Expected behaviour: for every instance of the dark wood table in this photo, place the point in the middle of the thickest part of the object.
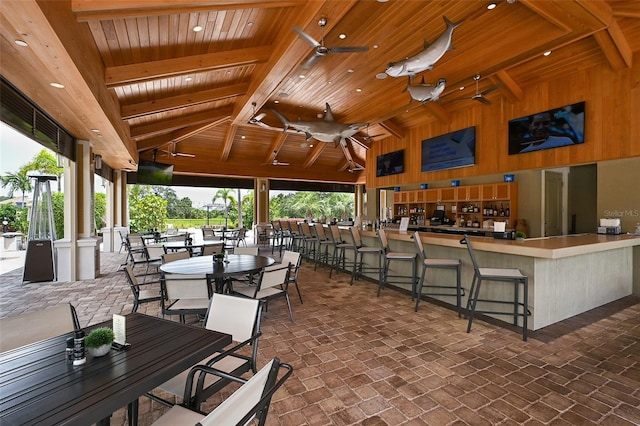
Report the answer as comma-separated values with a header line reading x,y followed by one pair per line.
x,y
238,264
37,386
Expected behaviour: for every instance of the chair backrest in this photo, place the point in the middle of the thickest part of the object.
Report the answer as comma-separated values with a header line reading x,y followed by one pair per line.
x,y
176,237
291,257
172,231
175,255
274,277
357,239
253,397
209,249
237,316
472,254
306,230
184,286
208,234
320,231
155,252
419,246
335,232
131,279
31,327
382,235
246,250
276,225
135,240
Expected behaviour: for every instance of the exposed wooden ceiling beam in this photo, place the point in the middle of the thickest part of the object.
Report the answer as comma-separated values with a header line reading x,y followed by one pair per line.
x,y
392,128
228,142
508,87
615,47
147,71
178,135
87,10
181,101
286,53
165,126
437,110
626,9
275,147
314,154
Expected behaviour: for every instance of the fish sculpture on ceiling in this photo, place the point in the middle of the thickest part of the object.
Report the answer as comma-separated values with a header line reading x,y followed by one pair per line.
x,y
426,59
327,130
424,92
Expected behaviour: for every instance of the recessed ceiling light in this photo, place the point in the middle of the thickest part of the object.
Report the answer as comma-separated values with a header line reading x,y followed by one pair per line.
x,y
243,137
461,88
249,24
283,94
381,75
350,70
301,76
547,53
342,36
276,101
188,78
382,1
57,85
22,43
95,130
375,46
329,82
310,145
358,90
491,6
197,28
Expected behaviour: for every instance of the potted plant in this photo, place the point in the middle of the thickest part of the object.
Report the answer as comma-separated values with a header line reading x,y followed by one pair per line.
x,y
520,236
98,342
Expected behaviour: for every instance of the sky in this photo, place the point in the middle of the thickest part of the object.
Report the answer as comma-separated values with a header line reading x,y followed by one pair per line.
x,y
16,150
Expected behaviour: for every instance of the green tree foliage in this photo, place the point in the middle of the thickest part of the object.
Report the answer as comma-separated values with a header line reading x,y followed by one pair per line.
x,y
100,210
314,204
146,211
57,200
18,181
10,212
226,195
247,210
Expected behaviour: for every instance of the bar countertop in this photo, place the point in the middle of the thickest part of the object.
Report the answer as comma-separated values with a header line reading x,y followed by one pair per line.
x,y
555,247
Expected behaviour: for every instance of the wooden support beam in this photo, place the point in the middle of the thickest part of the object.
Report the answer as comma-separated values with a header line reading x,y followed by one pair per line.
x,y
615,47
147,71
314,154
437,110
392,128
228,142
165,126
508,87
275,147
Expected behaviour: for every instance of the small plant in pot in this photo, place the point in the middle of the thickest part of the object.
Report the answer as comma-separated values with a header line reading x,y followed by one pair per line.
x,y
520,236
98,342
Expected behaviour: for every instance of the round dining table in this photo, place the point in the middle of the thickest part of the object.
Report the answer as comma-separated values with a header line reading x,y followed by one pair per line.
x,y
235,264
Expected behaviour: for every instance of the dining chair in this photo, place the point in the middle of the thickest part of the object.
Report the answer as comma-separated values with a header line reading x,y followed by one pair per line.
x,y
30,327
210,249
154,258
251,400
272,284
497,275
184,294
142,292
246,250
340,248
237,316
175,255
209,235
294,259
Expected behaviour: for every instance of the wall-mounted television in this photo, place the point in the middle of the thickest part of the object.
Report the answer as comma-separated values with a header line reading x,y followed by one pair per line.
x,y
390,163
449,151
554,128
152,173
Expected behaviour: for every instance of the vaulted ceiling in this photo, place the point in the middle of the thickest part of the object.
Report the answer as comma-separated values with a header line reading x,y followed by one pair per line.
x,y
141,82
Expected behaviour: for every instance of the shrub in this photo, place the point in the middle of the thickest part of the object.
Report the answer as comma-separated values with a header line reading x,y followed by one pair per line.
x,y
98,337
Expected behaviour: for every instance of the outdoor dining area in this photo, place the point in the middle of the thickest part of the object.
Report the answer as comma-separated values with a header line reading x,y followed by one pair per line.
x,y
292,327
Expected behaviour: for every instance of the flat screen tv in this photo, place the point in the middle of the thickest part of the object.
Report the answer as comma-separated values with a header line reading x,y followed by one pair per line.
x,y
152,173
455,149
390,163
557,127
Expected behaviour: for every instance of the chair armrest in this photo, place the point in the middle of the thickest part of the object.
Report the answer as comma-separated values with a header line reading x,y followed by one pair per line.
x,y
233,349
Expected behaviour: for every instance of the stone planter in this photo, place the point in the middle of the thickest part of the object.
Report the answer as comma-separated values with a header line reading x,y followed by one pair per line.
x,y
100,351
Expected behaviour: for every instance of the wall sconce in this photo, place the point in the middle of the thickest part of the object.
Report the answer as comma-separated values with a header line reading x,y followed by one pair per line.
x,y
97,159
263,187
60,159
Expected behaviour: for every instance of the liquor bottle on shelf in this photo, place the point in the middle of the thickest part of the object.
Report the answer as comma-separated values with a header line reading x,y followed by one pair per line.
x,y
501,210
508,211
484,211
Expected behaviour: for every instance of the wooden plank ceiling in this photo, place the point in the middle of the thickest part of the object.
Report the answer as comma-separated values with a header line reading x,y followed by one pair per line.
x,y
139,75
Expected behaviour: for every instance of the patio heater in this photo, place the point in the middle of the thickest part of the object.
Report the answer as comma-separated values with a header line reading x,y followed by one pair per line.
x,y
39,260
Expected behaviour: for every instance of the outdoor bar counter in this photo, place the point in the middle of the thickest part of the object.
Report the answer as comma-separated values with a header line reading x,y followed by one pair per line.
x,y
568,275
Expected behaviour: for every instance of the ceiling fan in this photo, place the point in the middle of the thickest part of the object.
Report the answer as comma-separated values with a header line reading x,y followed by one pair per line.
x,y
320,49
276,162
173,153
479,96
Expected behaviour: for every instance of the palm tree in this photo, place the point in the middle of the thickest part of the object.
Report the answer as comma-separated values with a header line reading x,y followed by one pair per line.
x,y
18,181
227,198
45,162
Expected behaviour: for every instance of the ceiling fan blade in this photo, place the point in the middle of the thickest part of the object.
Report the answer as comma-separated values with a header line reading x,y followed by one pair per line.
x,y
310,62
483,100
348,49
306,37
489,90
257,120
183,154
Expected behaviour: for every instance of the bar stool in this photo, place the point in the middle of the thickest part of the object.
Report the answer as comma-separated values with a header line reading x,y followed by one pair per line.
x,y
361,250
323,242
340,248
509,275
454,264
309,240
390,256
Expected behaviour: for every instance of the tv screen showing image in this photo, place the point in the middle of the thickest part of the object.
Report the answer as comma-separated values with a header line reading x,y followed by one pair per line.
x,y
557,127
390,163
152,173
449,151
